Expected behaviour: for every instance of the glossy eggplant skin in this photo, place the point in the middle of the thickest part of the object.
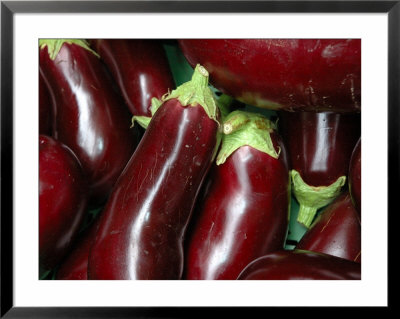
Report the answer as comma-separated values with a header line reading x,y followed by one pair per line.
x,y
90,117
319,144
301,265
143,225
355,177
75,265
63,197
336,231
141,69
45,108
283,74
244,214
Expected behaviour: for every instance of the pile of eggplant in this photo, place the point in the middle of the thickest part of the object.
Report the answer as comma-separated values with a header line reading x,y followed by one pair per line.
x,y
200,159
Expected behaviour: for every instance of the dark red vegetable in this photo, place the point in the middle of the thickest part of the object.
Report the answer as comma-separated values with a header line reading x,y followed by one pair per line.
x,y
336,231
319,145
75,265
141,69
90,116
355,177
301,265
143,224
291,74
62,200
244,212
45,108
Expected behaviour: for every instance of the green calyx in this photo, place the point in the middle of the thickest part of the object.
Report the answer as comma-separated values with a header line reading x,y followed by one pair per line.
x,y
196,92
54,45
241,128
224,102
145,120
192,93
312,198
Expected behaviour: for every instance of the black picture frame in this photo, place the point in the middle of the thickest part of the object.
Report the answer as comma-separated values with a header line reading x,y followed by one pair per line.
x,y
9,8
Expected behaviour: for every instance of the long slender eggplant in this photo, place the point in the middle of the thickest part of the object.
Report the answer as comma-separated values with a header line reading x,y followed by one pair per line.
x,y
244,212
355,177
143,225
141,69
336,231
63,197
319,146
45,108
90,117
283,74
301,265
75,265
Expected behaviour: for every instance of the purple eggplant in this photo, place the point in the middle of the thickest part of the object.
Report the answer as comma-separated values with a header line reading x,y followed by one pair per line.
x,y
244,211
143,225
336,231
90,117
63,198
301,265
355,177
319,147
141,69
283,74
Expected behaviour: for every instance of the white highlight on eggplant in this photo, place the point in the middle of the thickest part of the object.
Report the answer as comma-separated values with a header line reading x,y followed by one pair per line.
x,y
88,138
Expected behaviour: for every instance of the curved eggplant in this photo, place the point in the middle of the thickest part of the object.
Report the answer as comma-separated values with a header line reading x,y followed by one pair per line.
x,y
283,74
142,227
141,69
319,146
63,197
90,117
355,177
244,212
301,265
336,231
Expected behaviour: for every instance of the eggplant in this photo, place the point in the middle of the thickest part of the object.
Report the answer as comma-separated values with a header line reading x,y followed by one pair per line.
x,y
143,224
75,265
355,177
319,145
63,198
45,108
141,69
283,74
336,231
244,211
90,117
301,265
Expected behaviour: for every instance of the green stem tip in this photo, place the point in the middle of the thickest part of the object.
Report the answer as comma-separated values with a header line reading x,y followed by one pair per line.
x,y
197,92
306,215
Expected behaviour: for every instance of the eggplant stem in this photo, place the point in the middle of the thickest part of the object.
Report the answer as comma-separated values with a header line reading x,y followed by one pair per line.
x,y
306,215
312,198
197,92
235,122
